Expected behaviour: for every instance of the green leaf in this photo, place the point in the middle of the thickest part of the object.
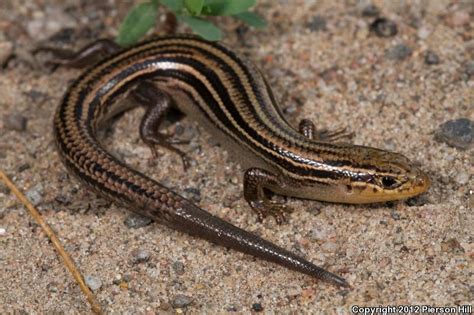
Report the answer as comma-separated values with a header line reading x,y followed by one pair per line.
x,y
203,28
174,5
194,6
251,19
226,7
138,21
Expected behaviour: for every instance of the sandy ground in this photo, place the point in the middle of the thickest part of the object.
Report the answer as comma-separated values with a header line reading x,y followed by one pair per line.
x,y
324,64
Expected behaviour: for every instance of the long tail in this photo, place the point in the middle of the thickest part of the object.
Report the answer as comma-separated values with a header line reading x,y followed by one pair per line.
x,y
195,221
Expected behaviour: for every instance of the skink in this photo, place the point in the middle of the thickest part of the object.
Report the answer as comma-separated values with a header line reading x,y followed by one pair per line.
x,y
231,98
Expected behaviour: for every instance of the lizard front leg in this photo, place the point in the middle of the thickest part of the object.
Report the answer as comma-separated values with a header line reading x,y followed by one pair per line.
x,y
257,182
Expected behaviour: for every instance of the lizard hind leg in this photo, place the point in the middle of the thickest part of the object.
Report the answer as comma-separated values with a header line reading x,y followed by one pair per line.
x,y
85,56
308,129
157,105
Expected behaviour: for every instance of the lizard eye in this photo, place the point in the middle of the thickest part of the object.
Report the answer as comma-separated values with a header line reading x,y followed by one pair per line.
x,y
389,182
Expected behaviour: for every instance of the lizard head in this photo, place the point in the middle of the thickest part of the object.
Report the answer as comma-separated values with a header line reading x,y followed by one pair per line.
x,y
377,176
358,174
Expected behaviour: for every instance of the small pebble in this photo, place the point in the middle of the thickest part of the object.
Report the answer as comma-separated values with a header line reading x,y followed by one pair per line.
x,y
417,201
398,52
343,292
49,23
469,69
458,133
165,306
140,255
314,210
181,300
383,27
63,199
193,194
459,18
23,167
390,145
308,293
52,287
319,234
178,267
37,96
178,129
329,74
293,292
15,122
329,247
304,242
371,293
431,58
4,190
6,50
234,180
370,10
136,221
241,30
185,132
424,32
318,23
452,245
290,109
257,307
92,282
462,178
34,194
362,33
395,215
117,280
231,309
3,231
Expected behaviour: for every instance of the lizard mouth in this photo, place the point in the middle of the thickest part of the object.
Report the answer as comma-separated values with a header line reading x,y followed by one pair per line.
x,y
417,183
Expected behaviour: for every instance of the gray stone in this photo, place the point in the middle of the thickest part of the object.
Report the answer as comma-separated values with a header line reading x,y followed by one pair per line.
x,y
178,267
181,300
34,194
370,10
318,23
136,221
15,122
431,58
398,52
140,255
469,69
92,282
383,27
458,133
193,194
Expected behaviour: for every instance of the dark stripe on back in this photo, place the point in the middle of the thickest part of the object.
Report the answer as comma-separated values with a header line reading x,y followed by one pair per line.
x,y
221,90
